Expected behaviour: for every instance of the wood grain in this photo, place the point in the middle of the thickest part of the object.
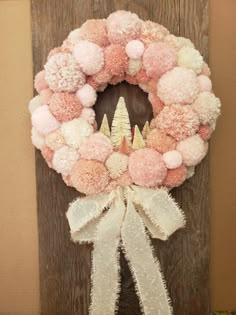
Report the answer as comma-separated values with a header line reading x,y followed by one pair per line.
x,y
64,266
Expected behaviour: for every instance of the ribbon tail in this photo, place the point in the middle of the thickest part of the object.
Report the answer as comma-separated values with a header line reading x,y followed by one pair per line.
x,y
145,268
105,261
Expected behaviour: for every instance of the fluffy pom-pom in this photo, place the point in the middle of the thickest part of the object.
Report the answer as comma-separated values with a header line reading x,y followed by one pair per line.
x,y
74,35
142,77
65,106
204,83
206,70
90,56
64,159
207,106
76,131
179,85
178,121
158,58
47,153
146,167
97,147
87,95
157,104
172,159
124,179
89,177
205,132
152,32
190,58
54,140
43,121
40,82
37,139
160,141
134,49
175,177
134,65
192,149
63,74
94,31
102,77
116,60
88,114
45,96
122,26
34,104
117,163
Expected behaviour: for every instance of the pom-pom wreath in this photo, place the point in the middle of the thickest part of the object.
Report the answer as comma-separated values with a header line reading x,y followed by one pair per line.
x,y
190,58
116,60
172,159
63,74
88,114
147,168
179,85
37,139
175,177
117,164
158,58
192,149
43,121
178,121
64,159
89,177
89,56
122,26
76,131
87,95
97,147
207,106
134,49
34,104
94,31
65,106
40,82
54,140
204,83
160,141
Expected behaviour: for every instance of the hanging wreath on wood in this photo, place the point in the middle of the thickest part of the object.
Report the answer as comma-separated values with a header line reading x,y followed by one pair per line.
x,y
125,176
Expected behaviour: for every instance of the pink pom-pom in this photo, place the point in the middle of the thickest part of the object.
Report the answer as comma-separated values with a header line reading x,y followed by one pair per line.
x,y
87,95
205,132
172,159
204,83
192,149
152,32
58,50
142,77
175,177
63,74
146,167
47,153
97,147
94,31
112,185
40,82
90,56
158,58
116,79
160,141
89,177
88,114
206,70
178,121
65,106
152,86
179,85
131,79
124,179
122,26
134,49
157,104
45,96
116,60
43,121
102,77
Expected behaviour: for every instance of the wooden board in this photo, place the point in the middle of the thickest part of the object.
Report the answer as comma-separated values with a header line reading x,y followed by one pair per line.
x,y
64,266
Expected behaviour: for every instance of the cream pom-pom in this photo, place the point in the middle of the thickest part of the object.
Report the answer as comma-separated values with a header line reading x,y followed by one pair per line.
x,y
192,149
89,55
207,106
117,163
74,35
88,114
134,49
76,131
34,103
87,95
43,121
64,159
54,140
172,159
134,65
204,83
190,172
37,139
190,58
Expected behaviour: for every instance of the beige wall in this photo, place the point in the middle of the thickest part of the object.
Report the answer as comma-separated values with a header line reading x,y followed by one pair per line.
x,y
18,221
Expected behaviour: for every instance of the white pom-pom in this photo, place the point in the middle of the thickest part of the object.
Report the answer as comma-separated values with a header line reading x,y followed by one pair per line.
x,y
134,49
172,159
34,104
190,58
64,159
117,164
87,95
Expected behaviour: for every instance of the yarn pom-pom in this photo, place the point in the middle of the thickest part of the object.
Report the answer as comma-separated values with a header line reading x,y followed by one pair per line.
x,y
87,95
175,177
40,82
204,83
63,74
54,140
124,179
172,159
205,132
37,139
76,131
122,26
160,141
45,96
190,58
207,106
97,147
89,177
192,149
179,85
117,163
178,121
47,153
64,159
146,167
159,58
65,106
43,121
116,60
206,70
94,31
34,104
134,49
89,56
134,65
88,114
157,104
152,32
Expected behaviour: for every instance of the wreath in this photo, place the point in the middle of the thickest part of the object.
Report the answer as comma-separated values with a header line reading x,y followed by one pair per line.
x,y
125,172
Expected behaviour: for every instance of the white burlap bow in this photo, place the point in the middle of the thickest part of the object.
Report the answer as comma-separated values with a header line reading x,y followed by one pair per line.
x,y
118,220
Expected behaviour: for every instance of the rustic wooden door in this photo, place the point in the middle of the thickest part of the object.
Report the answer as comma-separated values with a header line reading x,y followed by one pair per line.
x,y
64,266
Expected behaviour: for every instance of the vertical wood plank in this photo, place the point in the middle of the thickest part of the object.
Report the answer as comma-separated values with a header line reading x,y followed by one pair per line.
x,y
64,266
